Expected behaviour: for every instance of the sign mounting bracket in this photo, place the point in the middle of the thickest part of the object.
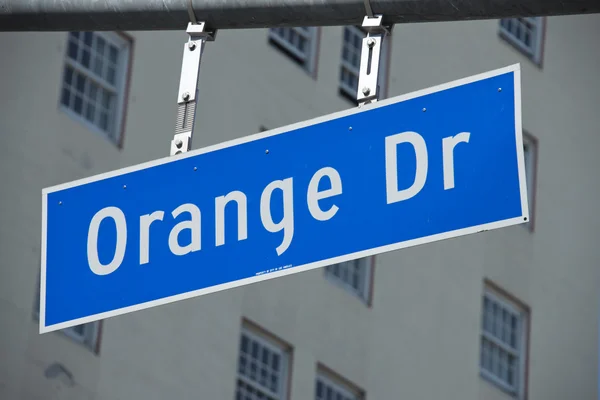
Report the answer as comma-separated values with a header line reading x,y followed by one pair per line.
x,y
368,85
187,96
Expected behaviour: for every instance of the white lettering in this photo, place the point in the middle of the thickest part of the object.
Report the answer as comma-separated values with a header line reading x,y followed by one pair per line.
x,y
287,221
391,166
92,241
193,225
145,222
448,145
313,195
220,204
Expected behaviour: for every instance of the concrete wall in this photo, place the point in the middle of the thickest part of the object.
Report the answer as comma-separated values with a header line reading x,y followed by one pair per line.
x,y
420,337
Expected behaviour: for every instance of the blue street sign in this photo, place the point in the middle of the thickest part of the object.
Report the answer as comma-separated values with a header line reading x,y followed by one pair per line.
x,y
439,163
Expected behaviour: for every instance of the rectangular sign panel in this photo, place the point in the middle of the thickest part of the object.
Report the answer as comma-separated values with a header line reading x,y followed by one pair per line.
x,y
430,165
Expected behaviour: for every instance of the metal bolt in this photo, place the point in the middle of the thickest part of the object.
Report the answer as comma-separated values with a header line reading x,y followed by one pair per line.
x,y
499,89
192,45
195,168
350,128
371,42
186,96
424,109
366,90
178,143
267,151
60,203
124,186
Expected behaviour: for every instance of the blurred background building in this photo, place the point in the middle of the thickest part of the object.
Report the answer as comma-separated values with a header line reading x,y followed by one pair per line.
x,y
511,313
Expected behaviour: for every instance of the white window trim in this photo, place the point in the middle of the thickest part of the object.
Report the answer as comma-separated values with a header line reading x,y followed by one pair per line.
x,y
90,334
276,348
344,389
382,78
120,85
365,296
530,175
309,59
536,53
518,390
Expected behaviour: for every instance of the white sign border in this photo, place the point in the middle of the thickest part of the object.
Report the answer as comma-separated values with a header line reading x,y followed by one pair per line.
x,y
515,68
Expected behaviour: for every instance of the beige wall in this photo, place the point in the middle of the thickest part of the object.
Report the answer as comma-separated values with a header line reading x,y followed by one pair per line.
x,y
420,338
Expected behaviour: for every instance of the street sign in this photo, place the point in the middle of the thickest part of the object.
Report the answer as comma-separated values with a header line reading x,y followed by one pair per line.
x,y
435,164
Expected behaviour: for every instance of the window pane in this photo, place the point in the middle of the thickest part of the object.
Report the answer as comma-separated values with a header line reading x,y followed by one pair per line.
x,y
113,54
352,274
87,38
65,97
295,40
262,377
96,58
78,104
110,74
302,44
523,33
326,389
100,44
68,76
90,112
80,83
85,58
98,65
93,92
496,357
274,383
78,330
72,50
107,99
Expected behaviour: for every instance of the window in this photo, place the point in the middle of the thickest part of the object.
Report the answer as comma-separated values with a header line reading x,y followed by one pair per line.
x,y
94,80
503,342
353,275
350,63
86,334
530,156
330,386
526,34
262,367
300,43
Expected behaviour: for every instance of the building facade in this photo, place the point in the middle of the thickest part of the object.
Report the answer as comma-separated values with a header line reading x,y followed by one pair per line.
x,y
505,314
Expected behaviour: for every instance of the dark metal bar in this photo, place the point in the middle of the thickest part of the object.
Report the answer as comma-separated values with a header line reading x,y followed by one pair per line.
x,y
136,15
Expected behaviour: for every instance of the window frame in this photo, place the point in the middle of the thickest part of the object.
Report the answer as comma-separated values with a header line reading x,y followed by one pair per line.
x,y
506,300
383,74
531,167
367,295
275,345
534,54
124,43
338,382
310,61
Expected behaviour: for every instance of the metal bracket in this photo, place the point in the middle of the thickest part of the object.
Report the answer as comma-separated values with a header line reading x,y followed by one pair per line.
x,y
188,86
368,88
368,8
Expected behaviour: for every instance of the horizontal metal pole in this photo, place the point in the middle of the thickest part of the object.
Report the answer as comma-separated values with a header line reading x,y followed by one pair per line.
x,y
135,15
